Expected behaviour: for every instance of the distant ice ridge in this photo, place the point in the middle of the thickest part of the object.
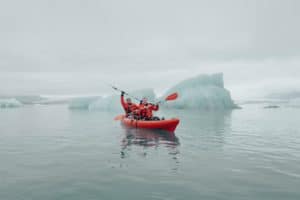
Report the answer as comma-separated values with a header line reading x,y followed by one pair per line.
x,y
110,103
81,102
294,103
289,97
205,92
24,99
285,95
10,103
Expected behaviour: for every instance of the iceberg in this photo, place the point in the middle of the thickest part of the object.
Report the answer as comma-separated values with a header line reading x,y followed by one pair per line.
x,y
10,103
205,92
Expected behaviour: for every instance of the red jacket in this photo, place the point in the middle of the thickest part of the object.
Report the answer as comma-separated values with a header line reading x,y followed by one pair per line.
x,y
128,108
146,111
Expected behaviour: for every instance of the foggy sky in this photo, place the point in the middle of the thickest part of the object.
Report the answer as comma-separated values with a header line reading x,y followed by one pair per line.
x,y
76,47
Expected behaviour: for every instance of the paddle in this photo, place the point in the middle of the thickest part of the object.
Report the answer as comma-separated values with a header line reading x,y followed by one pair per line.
x,y
170,97
117,89
119,117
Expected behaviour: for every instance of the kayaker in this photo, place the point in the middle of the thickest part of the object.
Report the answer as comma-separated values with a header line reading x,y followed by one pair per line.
x,y
131,109
146,110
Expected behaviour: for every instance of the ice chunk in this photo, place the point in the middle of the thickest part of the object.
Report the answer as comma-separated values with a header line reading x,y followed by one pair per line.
x,y
10,103
30,99
202,92
271,106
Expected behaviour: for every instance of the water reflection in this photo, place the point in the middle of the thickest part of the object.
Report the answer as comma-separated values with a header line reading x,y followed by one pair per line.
x,y
205,130
149,139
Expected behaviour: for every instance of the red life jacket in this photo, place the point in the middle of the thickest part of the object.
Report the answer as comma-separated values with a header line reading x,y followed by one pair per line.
x,y
146,110
128,107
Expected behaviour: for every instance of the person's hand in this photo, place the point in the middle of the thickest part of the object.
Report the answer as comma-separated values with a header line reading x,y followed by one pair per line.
x,y
122,93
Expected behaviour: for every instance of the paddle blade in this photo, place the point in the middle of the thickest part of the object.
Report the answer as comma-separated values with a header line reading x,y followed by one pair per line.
x,y
172,97
119,117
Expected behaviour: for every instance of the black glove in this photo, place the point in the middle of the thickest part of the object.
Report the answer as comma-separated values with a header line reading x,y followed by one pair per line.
x,y
122,93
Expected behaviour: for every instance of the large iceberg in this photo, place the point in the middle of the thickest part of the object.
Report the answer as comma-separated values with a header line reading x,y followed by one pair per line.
x,y
9,103
205,92
110,103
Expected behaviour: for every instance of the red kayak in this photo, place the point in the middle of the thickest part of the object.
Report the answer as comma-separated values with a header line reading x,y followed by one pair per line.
x,y
167,124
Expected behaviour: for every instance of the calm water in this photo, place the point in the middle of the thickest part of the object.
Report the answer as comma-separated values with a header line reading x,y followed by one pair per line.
x,y
50,152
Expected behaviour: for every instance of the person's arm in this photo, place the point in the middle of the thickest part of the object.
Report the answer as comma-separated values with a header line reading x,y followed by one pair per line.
x,y
123,101
155,107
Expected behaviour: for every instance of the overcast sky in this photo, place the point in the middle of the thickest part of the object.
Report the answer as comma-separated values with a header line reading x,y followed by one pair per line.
x,y
75,47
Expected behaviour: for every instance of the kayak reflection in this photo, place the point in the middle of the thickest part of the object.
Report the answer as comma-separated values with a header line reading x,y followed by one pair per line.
x,y
149,138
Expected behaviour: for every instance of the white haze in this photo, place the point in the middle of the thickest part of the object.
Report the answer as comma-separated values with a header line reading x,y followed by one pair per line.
x,y
73,47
